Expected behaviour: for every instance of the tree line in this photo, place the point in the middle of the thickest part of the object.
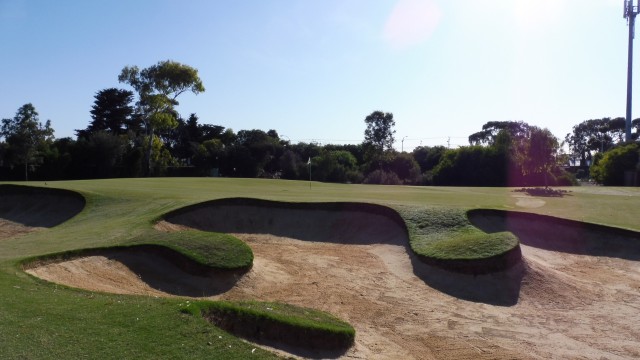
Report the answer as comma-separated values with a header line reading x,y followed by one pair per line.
x,y
140,133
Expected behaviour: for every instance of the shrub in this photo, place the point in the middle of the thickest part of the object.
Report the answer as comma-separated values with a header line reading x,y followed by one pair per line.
x,y
383,178
610,169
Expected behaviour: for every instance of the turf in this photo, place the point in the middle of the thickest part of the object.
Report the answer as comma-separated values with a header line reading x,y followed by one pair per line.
x,y
43,320
446,234
219,251
283,323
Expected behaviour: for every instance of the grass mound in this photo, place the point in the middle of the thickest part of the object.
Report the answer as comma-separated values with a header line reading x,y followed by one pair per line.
x,y
215,250
280,325
191,250
447,239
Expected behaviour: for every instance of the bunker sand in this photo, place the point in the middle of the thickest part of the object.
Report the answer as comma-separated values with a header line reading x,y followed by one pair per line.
x,y
25,209
569,305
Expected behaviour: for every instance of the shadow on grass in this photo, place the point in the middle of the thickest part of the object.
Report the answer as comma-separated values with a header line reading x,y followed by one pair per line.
x,y
543,192
551,233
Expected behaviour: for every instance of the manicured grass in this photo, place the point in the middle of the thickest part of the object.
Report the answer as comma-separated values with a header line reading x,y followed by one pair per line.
x,y
41,320
219,251
470,246
446,234
210,250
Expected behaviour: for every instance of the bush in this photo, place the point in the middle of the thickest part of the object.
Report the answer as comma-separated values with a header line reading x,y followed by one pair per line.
x,y
383,178
610,169
472,166
564,178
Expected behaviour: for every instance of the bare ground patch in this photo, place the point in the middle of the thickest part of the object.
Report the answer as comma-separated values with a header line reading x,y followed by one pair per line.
x,y
10,229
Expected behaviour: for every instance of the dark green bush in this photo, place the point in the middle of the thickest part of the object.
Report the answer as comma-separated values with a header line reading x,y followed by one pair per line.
x,y
610,169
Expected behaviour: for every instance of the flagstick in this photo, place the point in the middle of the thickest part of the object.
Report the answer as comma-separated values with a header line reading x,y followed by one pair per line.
x,y
309,162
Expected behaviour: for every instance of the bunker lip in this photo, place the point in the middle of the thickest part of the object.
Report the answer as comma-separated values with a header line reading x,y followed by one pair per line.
x,y
37,206
339,222
561,235
158,269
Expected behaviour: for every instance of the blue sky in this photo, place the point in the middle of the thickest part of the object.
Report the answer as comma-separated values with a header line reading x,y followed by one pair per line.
x,y
313,70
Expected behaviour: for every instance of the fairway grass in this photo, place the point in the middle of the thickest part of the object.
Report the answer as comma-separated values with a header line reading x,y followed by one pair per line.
x,y
44,320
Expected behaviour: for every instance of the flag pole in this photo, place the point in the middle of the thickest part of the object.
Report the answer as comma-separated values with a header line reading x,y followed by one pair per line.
x,y
309,163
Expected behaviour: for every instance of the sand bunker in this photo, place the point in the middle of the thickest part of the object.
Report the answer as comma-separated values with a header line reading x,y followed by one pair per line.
x,y
141,270
24,209
345,223
569,304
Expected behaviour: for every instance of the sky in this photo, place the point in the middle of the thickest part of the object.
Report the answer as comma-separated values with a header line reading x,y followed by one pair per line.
x,y
313,70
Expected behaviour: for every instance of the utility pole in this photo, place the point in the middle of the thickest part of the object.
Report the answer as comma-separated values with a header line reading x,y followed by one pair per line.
x,y
630,13
402,146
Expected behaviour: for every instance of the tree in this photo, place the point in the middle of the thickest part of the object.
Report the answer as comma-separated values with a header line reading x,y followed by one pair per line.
x,y
472,166
111,112
428,157
158,86
264,148
610,168
541,151
378,136
335,166
26,136
405,167
490,131
595,135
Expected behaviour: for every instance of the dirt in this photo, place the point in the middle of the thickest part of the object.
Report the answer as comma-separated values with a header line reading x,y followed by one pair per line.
x,y
570,306
10,229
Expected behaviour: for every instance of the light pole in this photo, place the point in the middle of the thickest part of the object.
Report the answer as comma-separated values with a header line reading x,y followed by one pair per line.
x,y
630,13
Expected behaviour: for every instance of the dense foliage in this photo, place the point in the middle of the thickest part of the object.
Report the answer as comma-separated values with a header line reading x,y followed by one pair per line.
x,y
141,134
618,166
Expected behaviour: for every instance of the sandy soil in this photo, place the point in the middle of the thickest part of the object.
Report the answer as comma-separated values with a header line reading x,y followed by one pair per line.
x,y
24,209
570,306
9,229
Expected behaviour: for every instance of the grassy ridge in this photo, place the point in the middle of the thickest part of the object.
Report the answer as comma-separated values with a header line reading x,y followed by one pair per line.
x,y
209,250
219,251
280,323
448,234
